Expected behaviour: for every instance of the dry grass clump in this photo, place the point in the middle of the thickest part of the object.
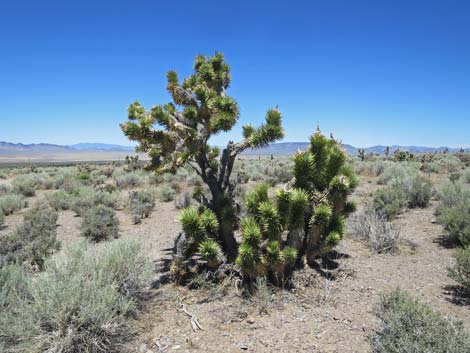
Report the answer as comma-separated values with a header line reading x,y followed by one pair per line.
x,y
380,235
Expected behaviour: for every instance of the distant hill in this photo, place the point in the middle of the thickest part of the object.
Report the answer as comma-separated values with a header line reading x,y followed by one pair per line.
x,y
277,149
8,148
100,147
289,148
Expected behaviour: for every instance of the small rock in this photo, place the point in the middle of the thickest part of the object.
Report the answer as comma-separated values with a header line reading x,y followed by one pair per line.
x,y
243,346
250,320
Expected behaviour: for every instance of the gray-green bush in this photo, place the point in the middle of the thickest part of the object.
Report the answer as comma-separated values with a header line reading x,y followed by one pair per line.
x,y
389,201
460,272
166,192
11,203
25,185
453,212
79,303
33,240
100,223
141,205
411,326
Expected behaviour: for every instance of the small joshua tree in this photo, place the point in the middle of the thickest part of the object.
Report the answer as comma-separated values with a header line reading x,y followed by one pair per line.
x,y
361,153
307,218
177,133
387,151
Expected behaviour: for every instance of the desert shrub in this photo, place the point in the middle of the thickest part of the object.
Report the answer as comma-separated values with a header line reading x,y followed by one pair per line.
x,y
452,193
431,167
380,235
166,192
449,163
417,189
5,189
141,205
25,185
79,303
87,197
465,176
394,171
128,180
183,200
65,175
460,272
389,201
59,200
456,222
411,326
3,175
453,212
100,223
33,240
2,219
11,203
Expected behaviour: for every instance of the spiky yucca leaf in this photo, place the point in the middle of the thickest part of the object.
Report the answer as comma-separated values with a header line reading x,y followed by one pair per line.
x,y
269,220
210,251
251,231
321,214
283,205
332,239
289,255
190,221
251,261
208,220
298,206
273,252
255,197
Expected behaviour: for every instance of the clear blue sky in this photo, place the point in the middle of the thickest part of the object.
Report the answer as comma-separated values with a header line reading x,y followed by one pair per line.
x,y
372,72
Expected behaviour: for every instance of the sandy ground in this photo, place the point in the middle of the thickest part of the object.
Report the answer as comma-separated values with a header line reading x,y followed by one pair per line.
x,y
332,310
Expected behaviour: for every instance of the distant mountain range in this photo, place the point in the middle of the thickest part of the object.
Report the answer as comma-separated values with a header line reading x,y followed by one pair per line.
x,y
289,148
8,148
277,149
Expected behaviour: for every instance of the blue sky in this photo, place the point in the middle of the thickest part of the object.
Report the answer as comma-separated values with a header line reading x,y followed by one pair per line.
x,y
372,72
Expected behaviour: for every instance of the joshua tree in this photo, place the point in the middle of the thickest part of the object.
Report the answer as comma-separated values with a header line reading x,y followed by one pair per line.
x,y
311,211
177,134
387,151
361,153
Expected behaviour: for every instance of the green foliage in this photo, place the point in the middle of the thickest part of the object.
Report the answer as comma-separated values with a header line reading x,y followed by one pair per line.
x,y
166,192
87,197
59,200
453,212
141,205
461,270
11,203
128,180
418,191
79,303
176,134
411,326
100,223
199,225
211,252
389,201
25,185
33,240
318,195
